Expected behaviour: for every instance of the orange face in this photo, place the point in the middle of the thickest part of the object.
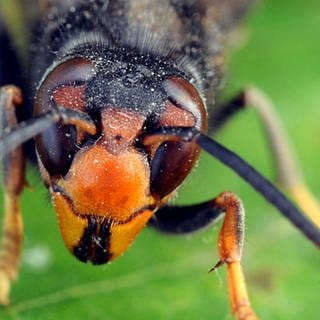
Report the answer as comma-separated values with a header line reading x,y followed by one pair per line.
x,y
106,190
105,183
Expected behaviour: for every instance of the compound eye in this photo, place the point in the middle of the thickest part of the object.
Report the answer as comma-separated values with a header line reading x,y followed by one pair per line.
x,y
183,95
64,86
172,161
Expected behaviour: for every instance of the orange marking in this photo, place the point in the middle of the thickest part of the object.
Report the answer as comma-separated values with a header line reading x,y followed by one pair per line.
x,y
71,225
176,117
121,122
70,97
122,235
109,185
120,128
187,96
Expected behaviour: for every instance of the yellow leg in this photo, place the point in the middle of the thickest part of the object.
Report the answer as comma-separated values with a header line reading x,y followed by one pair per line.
x,y
11,244
306,201
289,173
230,246
14,168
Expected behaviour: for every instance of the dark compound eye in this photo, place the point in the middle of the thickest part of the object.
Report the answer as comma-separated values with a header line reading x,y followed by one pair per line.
x,y
64,86
172,161
56,147
171,164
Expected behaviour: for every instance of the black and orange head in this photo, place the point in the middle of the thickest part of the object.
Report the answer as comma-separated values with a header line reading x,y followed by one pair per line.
x,y
106,184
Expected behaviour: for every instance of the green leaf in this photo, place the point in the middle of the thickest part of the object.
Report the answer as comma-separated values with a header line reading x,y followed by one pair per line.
x,y
164,277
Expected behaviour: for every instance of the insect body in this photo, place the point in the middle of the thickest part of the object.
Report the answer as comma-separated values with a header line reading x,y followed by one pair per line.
x,y
121,90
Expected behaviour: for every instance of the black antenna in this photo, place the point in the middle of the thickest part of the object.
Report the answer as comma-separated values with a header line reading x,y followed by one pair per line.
x,y
25,131
13,137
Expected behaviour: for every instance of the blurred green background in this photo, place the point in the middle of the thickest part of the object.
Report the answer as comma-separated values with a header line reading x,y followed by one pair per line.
x,y
164,277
